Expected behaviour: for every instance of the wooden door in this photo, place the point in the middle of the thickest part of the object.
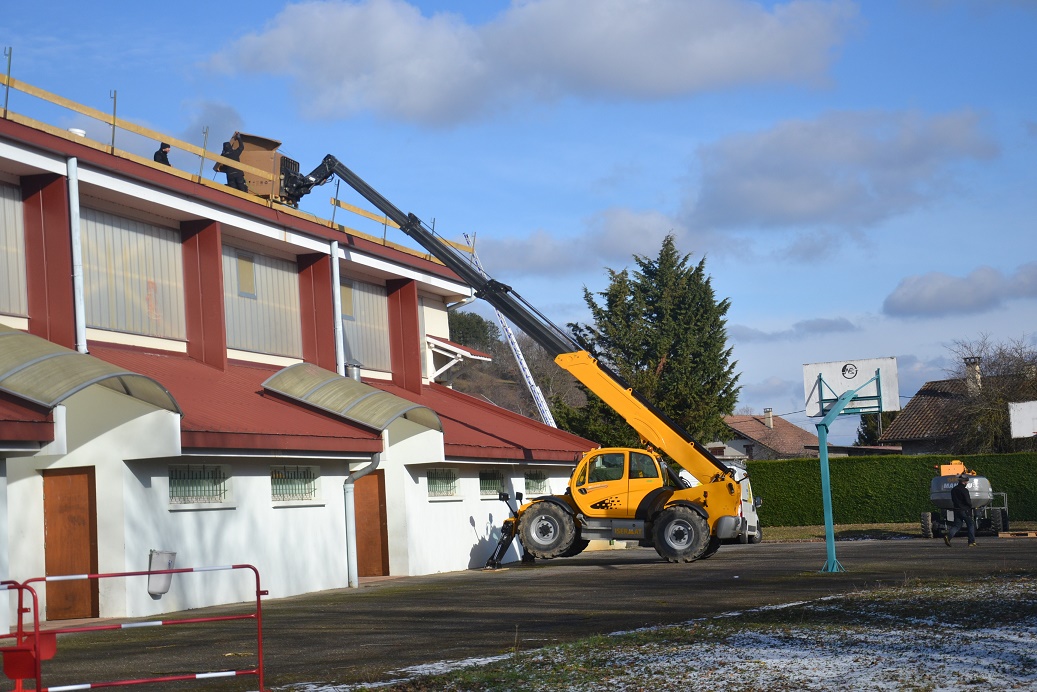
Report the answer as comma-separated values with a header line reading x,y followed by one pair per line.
x,y
372,526
70,541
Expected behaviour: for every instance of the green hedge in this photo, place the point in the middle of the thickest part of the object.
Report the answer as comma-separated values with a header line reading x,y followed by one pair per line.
x,y
883,489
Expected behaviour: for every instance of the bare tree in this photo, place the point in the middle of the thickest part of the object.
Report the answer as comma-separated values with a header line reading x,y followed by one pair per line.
x,y
993,374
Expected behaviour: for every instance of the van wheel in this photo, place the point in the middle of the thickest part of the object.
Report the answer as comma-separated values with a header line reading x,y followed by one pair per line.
x,y
680,534
758,536
546,530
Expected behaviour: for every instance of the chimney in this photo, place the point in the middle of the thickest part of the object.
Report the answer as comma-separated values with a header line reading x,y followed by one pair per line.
x,y
768,417
973,381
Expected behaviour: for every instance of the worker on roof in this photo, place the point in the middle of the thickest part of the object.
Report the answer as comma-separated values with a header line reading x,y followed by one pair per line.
x,y
162,155
232,150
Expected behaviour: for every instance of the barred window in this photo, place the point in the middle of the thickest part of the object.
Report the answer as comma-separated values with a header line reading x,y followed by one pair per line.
x,y
537,483
441,482
192,484
293,483
491,482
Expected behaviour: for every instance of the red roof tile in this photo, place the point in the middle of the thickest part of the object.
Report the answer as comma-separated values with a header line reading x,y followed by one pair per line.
x,y
929,413
229,409
477,429
784,438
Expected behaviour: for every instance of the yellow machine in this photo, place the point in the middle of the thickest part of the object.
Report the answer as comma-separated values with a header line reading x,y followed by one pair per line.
x,y
619,493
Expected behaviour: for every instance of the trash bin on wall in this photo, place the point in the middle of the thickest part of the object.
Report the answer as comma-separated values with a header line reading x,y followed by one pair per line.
x,y
158,584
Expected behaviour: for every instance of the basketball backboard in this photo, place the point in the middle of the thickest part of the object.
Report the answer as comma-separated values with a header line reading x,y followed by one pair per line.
x,y
824,383
1023,418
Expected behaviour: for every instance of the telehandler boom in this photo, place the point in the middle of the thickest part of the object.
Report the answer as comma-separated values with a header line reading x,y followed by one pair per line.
x,y
614,493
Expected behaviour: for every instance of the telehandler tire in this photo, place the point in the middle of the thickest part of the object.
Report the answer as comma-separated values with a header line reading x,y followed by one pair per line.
x,y
547,530
711,548
680,534
927,525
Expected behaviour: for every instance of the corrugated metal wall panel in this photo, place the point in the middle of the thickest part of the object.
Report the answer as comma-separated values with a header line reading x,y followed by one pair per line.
x,y
366,333
133,276
13,300
267,321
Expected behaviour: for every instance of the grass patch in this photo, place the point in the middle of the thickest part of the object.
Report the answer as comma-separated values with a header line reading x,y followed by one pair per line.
x,y
857,532
908,637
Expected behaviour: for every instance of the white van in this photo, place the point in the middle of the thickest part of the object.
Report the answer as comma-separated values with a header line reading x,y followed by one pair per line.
x,y
751,531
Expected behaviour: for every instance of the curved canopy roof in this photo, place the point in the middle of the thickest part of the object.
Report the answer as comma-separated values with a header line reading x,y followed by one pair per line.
x,y
348,398
45,373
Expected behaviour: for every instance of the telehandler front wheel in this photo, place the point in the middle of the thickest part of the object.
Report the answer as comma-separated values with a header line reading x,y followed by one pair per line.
x,y
547,530
680,534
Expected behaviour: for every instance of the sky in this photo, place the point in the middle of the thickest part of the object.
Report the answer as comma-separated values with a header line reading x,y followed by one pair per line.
x,y
858,175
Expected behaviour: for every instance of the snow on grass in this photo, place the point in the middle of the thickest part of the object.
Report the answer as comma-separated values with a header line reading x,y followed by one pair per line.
x,y
980,635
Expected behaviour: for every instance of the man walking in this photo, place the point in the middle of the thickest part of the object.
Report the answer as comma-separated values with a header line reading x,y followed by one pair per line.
x,y
962,511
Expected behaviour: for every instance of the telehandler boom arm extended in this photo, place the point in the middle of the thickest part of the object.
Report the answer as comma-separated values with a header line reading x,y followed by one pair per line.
x,y
654,426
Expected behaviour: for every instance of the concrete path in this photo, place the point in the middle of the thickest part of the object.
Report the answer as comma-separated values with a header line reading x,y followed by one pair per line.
x,y
365,634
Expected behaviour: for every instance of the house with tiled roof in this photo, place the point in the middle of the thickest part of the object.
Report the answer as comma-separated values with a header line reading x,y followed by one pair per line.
x,y
188,368
927,423
757,437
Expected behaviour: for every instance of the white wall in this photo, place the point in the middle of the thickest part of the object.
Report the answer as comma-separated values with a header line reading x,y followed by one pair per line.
x,y
461,532
297,547
5,562
103,428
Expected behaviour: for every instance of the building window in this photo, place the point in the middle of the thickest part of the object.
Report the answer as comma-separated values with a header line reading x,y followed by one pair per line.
x,y
194,484
133,276
346,294
261,303
246,275
537,483
491,482
441,482
365,324
293,483
13,300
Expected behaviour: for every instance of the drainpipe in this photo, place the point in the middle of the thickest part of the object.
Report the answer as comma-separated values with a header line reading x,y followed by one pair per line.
x,y
78,298
347,493
336,301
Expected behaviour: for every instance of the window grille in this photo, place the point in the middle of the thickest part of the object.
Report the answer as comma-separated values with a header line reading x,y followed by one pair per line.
x,y
293,483
192,484
441,482
491,482
537,483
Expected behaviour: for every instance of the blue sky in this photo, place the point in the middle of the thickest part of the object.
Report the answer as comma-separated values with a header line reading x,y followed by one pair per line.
x,y
859,175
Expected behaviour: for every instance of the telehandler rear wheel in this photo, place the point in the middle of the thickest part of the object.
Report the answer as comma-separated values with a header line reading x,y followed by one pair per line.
x,y
680,534
547,530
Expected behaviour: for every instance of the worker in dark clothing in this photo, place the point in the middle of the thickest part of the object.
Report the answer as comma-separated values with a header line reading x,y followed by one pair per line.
x,y
962,511
232,150
162,155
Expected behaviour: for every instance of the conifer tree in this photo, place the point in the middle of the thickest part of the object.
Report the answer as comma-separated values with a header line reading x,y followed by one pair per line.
x,y
661,329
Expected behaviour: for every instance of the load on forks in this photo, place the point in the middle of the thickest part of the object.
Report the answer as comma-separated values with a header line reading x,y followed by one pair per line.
x,y
990,508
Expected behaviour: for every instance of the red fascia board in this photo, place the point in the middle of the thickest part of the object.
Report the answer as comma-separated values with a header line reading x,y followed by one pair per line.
x,y
133,170
24,421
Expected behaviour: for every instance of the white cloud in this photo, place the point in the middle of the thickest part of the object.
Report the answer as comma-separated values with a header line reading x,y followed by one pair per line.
x,y
937,294
387,57
843,170
804,329
611,238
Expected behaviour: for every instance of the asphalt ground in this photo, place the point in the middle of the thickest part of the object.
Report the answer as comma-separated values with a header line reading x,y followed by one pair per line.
x,y
369,634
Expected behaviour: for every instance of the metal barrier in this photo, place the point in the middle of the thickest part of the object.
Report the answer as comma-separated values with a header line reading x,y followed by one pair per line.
x,y
23,660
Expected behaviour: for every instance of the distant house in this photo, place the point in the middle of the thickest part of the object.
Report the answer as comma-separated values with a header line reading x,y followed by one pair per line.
x,y
927,424
764,437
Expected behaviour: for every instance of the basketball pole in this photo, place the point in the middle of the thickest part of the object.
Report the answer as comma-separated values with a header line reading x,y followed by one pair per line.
x,y
832,564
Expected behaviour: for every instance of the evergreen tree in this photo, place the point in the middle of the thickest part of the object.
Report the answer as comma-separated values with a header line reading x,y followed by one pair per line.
x,y
868,430
662,330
